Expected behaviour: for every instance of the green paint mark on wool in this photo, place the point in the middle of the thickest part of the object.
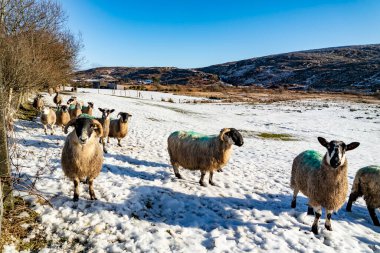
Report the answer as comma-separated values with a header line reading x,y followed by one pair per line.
x,y
84,107
312,158
371,169
72,107
199,136
85,115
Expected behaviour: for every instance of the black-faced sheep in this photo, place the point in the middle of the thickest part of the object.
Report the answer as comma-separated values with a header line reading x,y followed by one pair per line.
x,y
48,117
75,110
367,184
88,109
119,127
322,180
105,121
195,151
82,155
38,103
57,99
63,116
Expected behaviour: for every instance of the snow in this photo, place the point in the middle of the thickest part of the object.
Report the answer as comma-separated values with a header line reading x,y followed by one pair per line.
x,y
142,207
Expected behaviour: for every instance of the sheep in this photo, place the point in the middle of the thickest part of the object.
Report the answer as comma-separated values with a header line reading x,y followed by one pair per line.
x,y
57,99
82,155
63,116
75,110
367,184
322,179
195,151
88,109
48,117
105,121
119,127
38,103
50,91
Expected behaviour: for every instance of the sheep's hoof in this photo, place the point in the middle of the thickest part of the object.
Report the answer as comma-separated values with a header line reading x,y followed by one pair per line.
x,y
310,211
93,198
220,170
314,229
212,183
294,204
328,227
119,145
178,175
105,151
376,223
76,198
202,184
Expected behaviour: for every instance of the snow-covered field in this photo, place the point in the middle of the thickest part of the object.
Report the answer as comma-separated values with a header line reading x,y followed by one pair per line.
x,y
142,207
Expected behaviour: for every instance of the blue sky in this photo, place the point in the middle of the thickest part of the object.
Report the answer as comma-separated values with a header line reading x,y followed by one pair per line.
x,y
197,33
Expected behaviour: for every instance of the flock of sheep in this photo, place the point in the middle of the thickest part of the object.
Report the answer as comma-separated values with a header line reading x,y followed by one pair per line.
x,y
323,179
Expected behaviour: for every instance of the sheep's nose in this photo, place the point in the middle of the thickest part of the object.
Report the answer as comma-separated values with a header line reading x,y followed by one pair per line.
x,y
83,139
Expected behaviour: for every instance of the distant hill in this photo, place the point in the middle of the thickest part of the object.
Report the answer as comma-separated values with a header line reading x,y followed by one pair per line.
x,y
330,69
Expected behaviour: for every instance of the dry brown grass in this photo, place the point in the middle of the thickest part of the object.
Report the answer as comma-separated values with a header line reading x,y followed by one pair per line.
x,y
19,223
257,95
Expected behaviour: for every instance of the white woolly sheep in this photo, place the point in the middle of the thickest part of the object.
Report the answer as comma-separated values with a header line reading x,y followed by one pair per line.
x,y
82,155
105,121
367,184
119,127
63,116
195,151
322,180
48,117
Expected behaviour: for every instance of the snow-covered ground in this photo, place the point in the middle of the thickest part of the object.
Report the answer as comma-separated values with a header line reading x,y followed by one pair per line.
x,y
142,207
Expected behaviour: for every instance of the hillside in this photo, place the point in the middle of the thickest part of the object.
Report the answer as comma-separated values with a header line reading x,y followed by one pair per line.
x,y
352,67
331,69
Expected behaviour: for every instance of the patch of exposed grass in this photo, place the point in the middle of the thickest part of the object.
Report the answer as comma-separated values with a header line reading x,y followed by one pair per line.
x,y
278,137
18,223
27,112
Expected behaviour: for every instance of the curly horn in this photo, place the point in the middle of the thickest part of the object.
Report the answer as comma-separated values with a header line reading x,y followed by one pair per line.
x,y
223,132
70,123
98,127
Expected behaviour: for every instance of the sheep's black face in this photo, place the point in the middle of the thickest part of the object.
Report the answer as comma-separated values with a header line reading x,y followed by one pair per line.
x,y
336,151
106,112
83,129
124,116
64,108
70,101
90,104
236,137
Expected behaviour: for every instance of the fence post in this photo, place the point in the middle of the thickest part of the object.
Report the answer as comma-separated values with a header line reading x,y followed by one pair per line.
x,y
1,206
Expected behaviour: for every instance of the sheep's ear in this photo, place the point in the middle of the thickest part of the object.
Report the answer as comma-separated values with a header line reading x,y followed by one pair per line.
x,y
97,127
118,114
112,110
352,146
323,142
100,109
222,134
71,122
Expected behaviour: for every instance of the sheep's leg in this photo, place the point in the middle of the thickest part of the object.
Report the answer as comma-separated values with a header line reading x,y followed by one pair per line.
x,y
294,200
372,213
220,170
318,214
328,219
118,142
45,129
176,171
353,197
76,189
91,189
104,145
52,129
210,179
108,139
201,181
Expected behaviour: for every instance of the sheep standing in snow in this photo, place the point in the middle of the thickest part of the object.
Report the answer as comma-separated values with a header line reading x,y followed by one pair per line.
x,y
367,184
119,127
194,151
88,109
63,116
38,103
82,155
322,180
105,121
48,117
57,99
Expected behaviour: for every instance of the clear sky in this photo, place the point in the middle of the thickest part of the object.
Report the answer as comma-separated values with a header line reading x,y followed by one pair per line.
x,y
197,33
